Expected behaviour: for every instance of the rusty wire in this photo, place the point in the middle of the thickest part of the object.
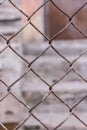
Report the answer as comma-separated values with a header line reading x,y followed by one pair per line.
x,y
30,68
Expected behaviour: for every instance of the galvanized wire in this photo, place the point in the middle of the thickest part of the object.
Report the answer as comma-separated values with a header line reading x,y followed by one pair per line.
x,y
30,68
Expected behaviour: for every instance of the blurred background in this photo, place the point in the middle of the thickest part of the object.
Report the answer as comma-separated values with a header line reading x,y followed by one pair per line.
x,y
28,29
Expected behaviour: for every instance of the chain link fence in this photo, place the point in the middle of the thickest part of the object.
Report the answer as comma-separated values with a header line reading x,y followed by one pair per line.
x,y
50,87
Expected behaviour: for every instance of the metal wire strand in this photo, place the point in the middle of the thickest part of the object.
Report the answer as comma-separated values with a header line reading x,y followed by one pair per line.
x,y
30,64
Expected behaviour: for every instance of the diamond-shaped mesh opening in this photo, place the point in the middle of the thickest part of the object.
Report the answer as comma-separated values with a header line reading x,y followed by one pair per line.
x,y
34,123
80,107
72,76
74,49
49,68
49,103
6,22
72,124
10,112
73,5
81,22
32,35
7,71
16,5
47,113
71,93
12,117
44,85
36,19
56,25
69,33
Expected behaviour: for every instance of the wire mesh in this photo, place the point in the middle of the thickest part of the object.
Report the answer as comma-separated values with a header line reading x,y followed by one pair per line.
x,y
30,68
